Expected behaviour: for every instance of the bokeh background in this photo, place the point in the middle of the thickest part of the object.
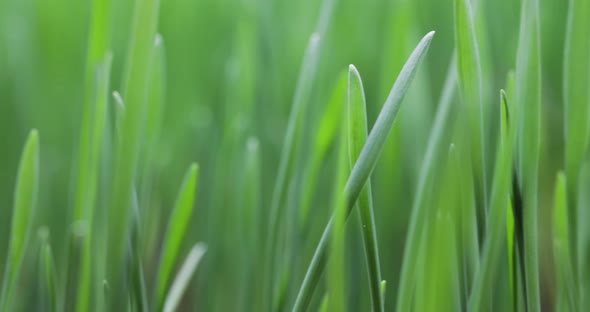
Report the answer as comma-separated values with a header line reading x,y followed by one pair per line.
x,y
231,71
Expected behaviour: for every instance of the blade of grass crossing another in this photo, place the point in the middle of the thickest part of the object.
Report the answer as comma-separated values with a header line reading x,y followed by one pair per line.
x,y
357,136
25,200
177,226
364,165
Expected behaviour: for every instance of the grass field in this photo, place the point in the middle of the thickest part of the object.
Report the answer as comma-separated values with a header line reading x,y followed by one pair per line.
x,y
274,155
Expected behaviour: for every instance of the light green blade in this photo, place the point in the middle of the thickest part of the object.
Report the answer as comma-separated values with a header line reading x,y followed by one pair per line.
x,y
25,200
576,93
527,103
177,226
357,136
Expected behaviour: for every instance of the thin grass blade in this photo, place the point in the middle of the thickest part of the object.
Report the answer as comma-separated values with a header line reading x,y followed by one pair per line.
x,y
25,200
495,230
177,226
566,291
124,170
470,77
576,93
357,136
420,210
336,268
528,111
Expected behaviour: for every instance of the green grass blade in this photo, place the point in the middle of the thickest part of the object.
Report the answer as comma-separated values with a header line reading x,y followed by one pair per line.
x,y
469,77
566,291
495,230
88,195
183,277
336,267
326,133
364,165
48,275
124,168
583,234
177,226
301,99
25,200
576,93
357,136
528,111
420,210
136,276
250,226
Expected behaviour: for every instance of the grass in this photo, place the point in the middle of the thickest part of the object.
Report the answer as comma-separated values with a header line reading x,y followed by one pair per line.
x,y
465,200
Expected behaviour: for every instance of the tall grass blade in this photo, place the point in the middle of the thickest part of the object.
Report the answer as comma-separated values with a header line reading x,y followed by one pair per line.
x,y
357,136
566,293
135,93
420,210
177,226
88,194
583,243
495,230
25,200
364,165
336,267
470,85
183,277
528,111
576,97
300,101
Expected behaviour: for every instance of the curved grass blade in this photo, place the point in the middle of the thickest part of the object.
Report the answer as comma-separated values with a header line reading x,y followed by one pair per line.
x,y
357,136
183,277
364,165
528,111
566,291
420,210
124,168
495,230
576,93
469,78
179,220
25,200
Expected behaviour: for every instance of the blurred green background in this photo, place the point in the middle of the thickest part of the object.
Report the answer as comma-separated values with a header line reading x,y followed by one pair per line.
x,y
231,72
